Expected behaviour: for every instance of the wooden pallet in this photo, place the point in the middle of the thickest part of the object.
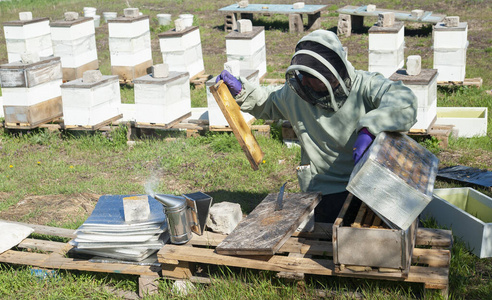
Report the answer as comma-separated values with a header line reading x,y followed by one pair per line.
x,y
200,79
56,256
441,132
93,127
477,82
309,253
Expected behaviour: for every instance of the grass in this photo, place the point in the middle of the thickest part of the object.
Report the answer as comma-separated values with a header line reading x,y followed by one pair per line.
x,y
40,163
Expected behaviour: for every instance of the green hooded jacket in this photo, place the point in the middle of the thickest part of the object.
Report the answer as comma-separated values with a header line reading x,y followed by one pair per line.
x,y
327,136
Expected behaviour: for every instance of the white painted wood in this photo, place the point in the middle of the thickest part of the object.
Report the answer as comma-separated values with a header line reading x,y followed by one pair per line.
x,y
88,97
450,208
386,57
468,121
131,45
130,59
426,93
245,46
89,116
450,37
41,45
256,61
425,116
386,71
1,107
180,43
27,31
386,41
129,112
22,96
451,73
128,29
74,32
190,60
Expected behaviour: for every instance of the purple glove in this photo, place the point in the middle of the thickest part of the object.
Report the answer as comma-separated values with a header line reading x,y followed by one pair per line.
x,y
363,141
232,83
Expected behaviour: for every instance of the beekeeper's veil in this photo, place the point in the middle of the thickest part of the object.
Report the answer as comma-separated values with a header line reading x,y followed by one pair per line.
x,y
320,54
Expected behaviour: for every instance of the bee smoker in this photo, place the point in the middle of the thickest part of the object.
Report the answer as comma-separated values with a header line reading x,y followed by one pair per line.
x,y
185,214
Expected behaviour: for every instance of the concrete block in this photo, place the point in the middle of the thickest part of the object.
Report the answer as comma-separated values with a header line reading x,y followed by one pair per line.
x,y
371,8
234,67
244,25
417,13
243,3
180,25
298,5
160,70
224,217
136,208
344,25
91,76
25,16
386,19
414,65
131,12
182,287
71,16
452,21
30,57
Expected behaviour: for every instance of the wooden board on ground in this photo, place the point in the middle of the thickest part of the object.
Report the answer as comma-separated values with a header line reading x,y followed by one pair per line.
x,y
265,230
477,82
236,121
93,127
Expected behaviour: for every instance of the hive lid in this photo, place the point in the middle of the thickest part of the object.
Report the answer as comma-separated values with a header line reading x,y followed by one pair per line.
x,y
395,178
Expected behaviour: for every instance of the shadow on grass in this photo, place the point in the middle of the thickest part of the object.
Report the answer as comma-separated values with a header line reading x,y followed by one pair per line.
x,y
423,31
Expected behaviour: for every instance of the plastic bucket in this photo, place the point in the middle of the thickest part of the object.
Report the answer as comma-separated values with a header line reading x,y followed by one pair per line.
x,y
109,16
164,19
97,20
89,11
188,19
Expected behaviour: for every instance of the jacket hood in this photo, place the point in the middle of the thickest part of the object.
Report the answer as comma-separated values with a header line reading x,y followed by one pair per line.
x,y
320,54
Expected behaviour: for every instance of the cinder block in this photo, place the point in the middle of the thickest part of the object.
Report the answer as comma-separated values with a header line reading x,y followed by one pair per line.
x,y
160,70
71,16
92,76
417,13
344,27
233,67
25,16
371,8
224,217
243,3
452,21
244,25
131,12
386,19
414,65
298,5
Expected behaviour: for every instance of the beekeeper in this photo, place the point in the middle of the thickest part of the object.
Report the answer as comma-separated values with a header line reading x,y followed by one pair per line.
x,y
335,111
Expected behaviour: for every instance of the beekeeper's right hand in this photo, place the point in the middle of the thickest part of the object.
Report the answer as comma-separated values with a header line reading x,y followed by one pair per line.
x,y
232,83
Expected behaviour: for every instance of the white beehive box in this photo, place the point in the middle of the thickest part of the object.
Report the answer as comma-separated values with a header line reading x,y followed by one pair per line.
x,y
130,47
162,100
215,115
395,178
91,103
468,213
468,121
31,92
30,36
424,87
249,48
386,48
75,43
182,50
450,45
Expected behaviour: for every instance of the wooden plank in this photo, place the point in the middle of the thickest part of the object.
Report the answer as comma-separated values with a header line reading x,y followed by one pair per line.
x,y
60,262
431,257
360,216
467,82
93,127
172,124
29,117
434,237
43,245
265,230
236,121
274,263
47,230
368,218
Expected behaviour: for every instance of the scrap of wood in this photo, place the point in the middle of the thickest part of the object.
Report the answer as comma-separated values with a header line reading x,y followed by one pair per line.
x,y
236,121
265,230
376,223
368,218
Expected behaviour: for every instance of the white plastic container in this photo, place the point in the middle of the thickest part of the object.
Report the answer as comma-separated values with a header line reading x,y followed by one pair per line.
x,y
165,19
467,121
188,19
89,11
97,20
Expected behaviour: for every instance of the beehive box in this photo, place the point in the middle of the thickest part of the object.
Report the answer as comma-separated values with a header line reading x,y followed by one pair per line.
x,y
249,48
395,178
468,213
361,239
